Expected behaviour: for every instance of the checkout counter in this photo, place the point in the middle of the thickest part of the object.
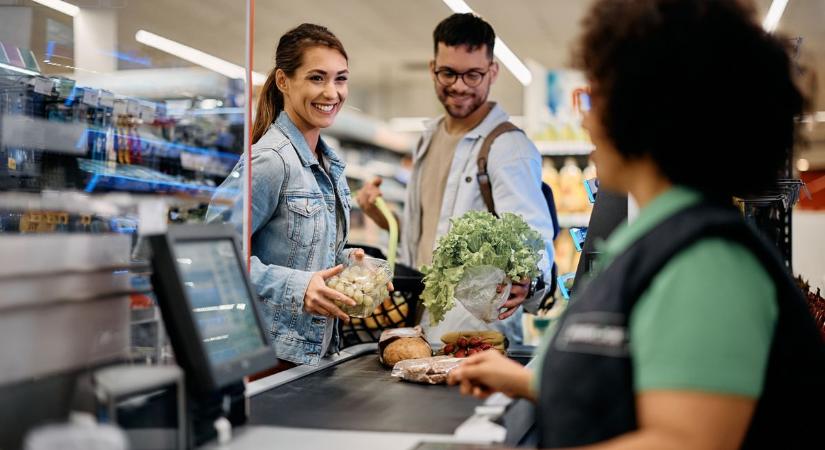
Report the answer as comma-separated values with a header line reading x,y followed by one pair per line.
x,y
64,321
348,401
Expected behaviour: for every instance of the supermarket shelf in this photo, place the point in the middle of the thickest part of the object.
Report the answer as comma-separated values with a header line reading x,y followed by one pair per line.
x,y
563,148
135,178
574,220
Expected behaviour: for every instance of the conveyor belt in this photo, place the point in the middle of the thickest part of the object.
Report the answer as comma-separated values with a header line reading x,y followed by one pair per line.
x,y
359,394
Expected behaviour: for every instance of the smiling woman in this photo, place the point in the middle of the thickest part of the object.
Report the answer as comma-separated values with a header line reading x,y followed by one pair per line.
x,y
300,198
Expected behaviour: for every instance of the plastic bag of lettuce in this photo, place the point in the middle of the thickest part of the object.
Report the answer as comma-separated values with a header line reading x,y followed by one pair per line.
x,y
479,240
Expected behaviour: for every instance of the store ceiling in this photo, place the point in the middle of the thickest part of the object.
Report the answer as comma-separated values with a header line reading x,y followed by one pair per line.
x,y
389,41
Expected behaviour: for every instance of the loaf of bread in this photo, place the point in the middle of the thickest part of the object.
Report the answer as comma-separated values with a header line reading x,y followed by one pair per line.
x,y
402,349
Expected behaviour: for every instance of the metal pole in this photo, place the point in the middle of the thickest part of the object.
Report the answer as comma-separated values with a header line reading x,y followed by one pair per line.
x,y
247,191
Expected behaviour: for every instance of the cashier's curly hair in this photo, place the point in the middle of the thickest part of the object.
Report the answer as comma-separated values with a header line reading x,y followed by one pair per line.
x,y
697,85
289,57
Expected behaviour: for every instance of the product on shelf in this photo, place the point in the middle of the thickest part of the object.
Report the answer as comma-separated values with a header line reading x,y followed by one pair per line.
x,y
572,195
59,126
550,175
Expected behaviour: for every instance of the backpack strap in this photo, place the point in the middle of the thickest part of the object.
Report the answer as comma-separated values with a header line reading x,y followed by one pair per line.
x,y
483,155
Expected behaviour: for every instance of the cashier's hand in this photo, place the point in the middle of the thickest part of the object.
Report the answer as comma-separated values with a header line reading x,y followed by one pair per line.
x,y
518,294
366,201
319,299
489,371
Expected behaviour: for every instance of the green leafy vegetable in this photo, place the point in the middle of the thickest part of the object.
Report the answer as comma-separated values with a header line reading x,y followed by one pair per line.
x,y
479,239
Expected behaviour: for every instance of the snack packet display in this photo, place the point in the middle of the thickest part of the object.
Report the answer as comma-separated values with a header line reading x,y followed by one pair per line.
x,y
364,281
432,370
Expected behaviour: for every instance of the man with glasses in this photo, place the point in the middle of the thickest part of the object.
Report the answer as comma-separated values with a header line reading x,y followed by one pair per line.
x,y
444,181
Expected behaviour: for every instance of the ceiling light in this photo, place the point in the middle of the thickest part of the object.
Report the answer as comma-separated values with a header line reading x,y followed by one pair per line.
x,y
803,165
58,5
774,14
458,6
511,62
18,69
502,51
196,56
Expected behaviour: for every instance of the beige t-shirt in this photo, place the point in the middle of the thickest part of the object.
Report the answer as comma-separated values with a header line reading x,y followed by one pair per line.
x,y
435,168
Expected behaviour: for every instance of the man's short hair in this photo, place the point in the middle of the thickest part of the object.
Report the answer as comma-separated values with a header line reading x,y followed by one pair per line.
x,y
465,29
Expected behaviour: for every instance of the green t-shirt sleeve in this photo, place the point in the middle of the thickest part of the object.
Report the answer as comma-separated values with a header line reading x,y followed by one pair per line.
x,y
705,323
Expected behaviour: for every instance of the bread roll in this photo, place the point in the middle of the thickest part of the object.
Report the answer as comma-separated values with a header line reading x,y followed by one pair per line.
x,y
406,348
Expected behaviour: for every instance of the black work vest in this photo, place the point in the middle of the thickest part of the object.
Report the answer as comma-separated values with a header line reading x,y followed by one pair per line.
x,y
587,392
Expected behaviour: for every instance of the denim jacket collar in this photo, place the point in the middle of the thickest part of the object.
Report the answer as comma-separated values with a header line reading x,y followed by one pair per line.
x,y
306,155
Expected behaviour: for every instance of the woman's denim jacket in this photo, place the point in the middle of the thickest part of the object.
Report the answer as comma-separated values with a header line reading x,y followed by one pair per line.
x,y
293,232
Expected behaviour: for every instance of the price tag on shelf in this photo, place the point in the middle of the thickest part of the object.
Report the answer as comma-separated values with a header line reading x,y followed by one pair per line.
x,y
43,85
592,188
90,97
132,107
147,113
565,283
119,108
579,234
107,99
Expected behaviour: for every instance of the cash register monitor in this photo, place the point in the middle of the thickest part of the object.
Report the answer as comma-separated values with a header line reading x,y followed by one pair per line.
x,y
209,306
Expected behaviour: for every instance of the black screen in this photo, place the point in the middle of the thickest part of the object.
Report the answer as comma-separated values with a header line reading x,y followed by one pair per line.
x,y
221,303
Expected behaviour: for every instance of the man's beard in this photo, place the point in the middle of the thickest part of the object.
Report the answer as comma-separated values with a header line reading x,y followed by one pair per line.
x,y
462,112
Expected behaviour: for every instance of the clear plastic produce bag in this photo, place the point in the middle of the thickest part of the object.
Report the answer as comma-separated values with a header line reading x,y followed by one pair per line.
x,y
364,281
477,291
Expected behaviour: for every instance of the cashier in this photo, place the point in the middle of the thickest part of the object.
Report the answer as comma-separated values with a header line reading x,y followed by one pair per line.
x,y
691,333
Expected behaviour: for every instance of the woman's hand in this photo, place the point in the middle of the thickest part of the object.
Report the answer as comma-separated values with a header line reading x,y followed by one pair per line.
x,y
319,299
489,371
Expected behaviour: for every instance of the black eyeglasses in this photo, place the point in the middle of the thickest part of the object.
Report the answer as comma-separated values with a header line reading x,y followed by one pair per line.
x,y
471,78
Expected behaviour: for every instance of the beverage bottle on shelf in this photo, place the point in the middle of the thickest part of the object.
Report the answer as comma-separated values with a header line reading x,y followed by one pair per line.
x,y
571,186
550,175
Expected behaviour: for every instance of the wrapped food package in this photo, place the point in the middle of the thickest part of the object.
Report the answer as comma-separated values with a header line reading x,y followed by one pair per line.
x,y
433,370
401,344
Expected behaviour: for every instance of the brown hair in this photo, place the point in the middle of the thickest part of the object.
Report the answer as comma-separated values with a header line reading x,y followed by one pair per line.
x,y
289,57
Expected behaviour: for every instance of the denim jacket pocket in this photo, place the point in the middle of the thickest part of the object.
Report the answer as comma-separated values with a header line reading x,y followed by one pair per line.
x,y
303,218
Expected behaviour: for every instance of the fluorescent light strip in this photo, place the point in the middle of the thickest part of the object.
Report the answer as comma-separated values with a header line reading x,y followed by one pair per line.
x,y
511,61
774,15
58,5
459,6
502,51
196,56
18,69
